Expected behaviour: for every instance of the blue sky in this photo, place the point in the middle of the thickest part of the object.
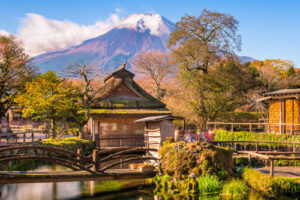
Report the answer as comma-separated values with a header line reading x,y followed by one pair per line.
x,y
269,29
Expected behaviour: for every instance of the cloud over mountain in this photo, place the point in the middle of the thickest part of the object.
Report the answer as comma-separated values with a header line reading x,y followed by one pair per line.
x,y
40,34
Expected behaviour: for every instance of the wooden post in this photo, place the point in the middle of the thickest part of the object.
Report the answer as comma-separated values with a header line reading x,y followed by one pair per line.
x,y
271,168
7,139
292,129
97,140
256,146
235,146
16,138
269,128
231,127
215,126
79,152
24,137
294,147
250,127
96,161
32,135
249,160
280,117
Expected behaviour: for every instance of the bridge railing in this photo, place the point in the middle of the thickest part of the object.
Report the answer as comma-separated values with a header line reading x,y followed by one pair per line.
x,y
271,157
76,160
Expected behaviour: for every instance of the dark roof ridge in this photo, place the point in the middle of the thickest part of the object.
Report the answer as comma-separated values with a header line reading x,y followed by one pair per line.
x,y
118,71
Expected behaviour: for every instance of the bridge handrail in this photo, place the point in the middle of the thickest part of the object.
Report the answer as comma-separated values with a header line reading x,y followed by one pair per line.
x,y
60,151
60,161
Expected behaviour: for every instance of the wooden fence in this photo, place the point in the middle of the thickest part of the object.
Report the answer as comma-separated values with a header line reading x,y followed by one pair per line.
x,y
18,138
286,128
258,149
22,129
134,140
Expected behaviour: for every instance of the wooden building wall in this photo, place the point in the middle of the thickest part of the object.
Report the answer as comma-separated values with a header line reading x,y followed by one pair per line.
x,y
290,113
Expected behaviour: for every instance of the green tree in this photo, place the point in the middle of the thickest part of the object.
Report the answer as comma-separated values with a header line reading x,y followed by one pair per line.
x,y
290,71
14,71
212,95
50,98
203,40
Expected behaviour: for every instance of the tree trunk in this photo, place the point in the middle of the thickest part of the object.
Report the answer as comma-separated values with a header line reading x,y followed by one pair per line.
x,y
81,132
53,128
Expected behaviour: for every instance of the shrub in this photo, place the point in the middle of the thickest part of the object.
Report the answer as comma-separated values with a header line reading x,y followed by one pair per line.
x,y
70,143
235,189
271,185
208,184
179,159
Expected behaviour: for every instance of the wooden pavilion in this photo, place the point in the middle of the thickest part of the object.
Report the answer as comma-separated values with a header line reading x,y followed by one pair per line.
x,y
284,110
121,101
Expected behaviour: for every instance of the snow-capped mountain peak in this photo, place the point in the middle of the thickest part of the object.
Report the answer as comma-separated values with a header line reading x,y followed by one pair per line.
x,y
154,23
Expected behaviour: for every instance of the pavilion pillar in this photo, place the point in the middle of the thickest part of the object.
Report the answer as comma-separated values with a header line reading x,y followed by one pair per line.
x,y
280,117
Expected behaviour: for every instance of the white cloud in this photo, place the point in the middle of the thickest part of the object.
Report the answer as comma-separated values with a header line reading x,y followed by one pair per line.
x,y
40,34
5,33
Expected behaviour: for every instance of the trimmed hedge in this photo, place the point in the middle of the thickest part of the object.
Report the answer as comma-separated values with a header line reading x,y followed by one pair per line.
x,y
271,186
223,135
71,143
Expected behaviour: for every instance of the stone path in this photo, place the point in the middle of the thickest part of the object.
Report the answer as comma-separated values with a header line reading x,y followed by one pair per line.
x,y
282,171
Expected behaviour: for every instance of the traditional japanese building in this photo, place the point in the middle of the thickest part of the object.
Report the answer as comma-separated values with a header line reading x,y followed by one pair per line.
x,y
284,110
121,101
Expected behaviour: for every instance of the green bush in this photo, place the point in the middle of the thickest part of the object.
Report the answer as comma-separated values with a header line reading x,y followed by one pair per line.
x,y
208,184
71,143
235,189
271,185
223,135
179,159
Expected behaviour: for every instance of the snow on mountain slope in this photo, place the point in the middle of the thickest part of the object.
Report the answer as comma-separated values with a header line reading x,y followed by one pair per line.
x,y
156,24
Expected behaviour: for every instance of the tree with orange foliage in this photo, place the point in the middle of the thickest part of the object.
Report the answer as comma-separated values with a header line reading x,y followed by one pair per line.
x,y
14,71
272,71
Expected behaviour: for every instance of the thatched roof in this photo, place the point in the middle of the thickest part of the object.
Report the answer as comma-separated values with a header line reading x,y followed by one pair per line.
x,y
139,98
283,92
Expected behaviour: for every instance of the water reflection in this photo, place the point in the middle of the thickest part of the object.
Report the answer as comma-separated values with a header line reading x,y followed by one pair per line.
x,y
95,190
88,190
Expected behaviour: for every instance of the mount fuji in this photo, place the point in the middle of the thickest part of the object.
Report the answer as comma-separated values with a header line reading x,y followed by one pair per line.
x,y
134,34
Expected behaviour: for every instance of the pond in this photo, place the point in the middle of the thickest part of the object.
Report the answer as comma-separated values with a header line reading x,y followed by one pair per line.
x,y
94,190
88,190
